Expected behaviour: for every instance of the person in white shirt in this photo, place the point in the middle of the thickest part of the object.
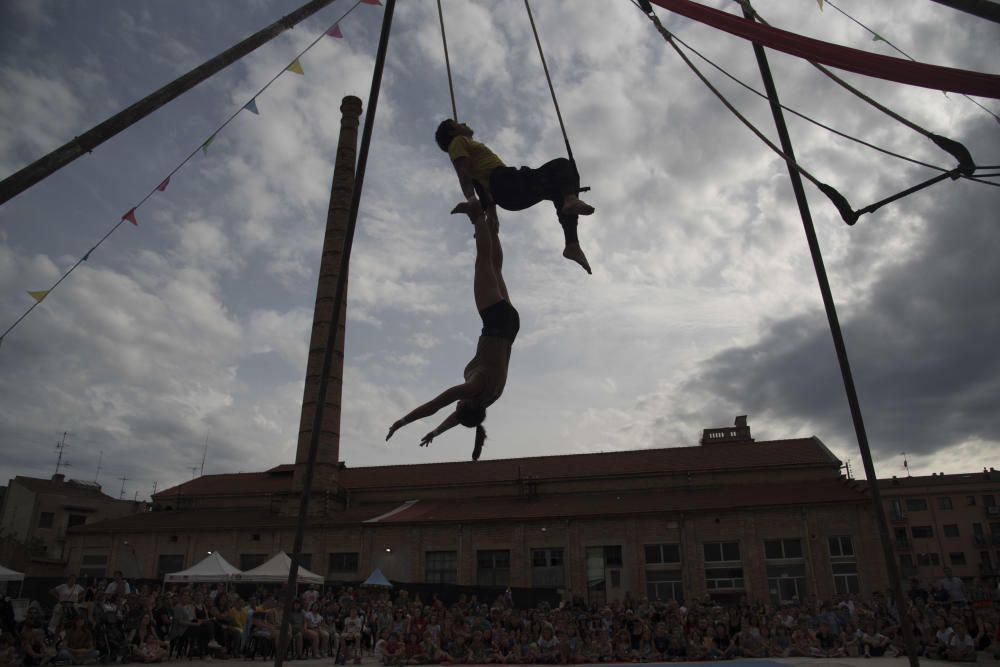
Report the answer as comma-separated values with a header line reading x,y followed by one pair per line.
x,y
68,593
961,646
953,586
118,586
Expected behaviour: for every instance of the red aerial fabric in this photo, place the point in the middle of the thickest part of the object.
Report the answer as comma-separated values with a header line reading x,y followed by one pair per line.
x,y
842,57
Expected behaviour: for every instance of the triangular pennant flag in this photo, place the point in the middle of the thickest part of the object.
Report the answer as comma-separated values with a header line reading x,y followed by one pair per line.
x,y
87,256
251,106
163,186
130,216
877,37
371,2
820,3
296,67
208,142
335,31
40,295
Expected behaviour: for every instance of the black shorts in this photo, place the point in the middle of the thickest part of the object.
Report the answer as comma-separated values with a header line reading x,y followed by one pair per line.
x,y
501,320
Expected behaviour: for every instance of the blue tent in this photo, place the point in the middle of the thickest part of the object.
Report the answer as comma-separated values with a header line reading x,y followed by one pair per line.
x,y
378,579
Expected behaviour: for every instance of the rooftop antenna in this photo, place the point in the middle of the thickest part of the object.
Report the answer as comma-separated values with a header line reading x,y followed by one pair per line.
x,y
154,489
204,455
194,471
123,479
905,464
61,447
100,458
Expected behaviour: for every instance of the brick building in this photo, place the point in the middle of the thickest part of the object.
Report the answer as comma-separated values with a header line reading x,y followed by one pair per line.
x,y
945,520
728,517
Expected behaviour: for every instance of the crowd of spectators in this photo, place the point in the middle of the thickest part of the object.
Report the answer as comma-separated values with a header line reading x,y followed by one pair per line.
x,y
112,621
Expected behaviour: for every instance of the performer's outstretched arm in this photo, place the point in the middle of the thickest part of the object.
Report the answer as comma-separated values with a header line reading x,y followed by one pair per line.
x,y
448,396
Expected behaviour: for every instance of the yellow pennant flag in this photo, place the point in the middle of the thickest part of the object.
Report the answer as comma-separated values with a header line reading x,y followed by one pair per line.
x,y
820,3
39,295
296,67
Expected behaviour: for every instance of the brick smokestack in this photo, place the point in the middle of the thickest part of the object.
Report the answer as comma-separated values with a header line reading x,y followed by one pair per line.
x,y
331,264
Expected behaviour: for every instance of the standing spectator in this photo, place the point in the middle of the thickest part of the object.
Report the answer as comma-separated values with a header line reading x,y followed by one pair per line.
x,y
953,586
68,594
118,586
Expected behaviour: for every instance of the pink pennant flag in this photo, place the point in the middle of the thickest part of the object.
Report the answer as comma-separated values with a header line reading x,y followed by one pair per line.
x,y
162,187
335,31
130,216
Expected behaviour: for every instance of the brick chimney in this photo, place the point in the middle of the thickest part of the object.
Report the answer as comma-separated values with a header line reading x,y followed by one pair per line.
x,y
325,476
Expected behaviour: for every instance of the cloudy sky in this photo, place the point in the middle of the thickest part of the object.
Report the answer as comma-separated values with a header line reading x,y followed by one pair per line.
x,y
193,327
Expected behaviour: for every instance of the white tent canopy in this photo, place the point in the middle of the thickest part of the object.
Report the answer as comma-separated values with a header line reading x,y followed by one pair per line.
x,y
376,578
212,568
276,571
10,575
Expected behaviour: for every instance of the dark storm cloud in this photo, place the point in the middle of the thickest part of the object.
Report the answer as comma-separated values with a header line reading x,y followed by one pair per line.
x,y
922,344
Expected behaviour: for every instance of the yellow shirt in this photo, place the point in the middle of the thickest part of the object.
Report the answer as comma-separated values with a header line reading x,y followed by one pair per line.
x,y
482,161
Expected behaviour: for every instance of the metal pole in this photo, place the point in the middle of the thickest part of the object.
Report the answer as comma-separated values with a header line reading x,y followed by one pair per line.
x,y
366,136
838,342
45,166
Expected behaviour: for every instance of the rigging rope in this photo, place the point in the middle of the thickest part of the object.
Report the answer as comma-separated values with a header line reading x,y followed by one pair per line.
x,y
957,150
900,51
806,118
447,63
552,90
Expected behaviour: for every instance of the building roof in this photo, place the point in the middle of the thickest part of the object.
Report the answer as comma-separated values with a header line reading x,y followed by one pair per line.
x,y
72,487
676,460
923,482
508,508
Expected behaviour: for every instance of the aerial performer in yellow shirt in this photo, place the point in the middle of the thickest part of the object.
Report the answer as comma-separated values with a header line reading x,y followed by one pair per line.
x,y
481,172
486,374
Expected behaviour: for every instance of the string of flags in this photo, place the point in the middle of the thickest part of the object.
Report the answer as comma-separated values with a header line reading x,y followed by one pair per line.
x,y
294,67
876,37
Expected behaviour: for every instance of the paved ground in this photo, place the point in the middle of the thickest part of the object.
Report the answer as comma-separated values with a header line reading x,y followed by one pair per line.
x,y
984,660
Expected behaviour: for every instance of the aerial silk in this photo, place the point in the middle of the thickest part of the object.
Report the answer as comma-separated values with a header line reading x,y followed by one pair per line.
x,y
935,77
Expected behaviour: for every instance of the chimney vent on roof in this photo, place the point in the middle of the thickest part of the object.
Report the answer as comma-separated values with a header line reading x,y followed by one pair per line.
x,y
740,433
58,477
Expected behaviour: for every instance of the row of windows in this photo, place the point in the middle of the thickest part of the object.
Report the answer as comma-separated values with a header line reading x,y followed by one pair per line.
x,y
48,519
948,529
944,503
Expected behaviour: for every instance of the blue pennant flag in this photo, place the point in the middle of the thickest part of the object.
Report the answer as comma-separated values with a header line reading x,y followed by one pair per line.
x,y
251,106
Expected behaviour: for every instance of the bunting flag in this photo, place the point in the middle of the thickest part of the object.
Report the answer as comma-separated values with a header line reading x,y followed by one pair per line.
x,y
130,216
162,187
877,37
208,142
87,256
335,31
39,295
296,67
820,3
251,106
371,2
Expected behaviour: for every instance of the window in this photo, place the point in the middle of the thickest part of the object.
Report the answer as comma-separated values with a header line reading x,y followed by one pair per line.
x,y
957,558
928,560
546,568
724,578
950,530
989,501
76,520
600,560
94,565
255,537
722,552
922,532
664,585
977,529
46,519
493,567
250,561
786,582
970,500
944,503
441,567
841,546
613,556
845,578
168,563
782,549
662,554
342,562
916,504
897,509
